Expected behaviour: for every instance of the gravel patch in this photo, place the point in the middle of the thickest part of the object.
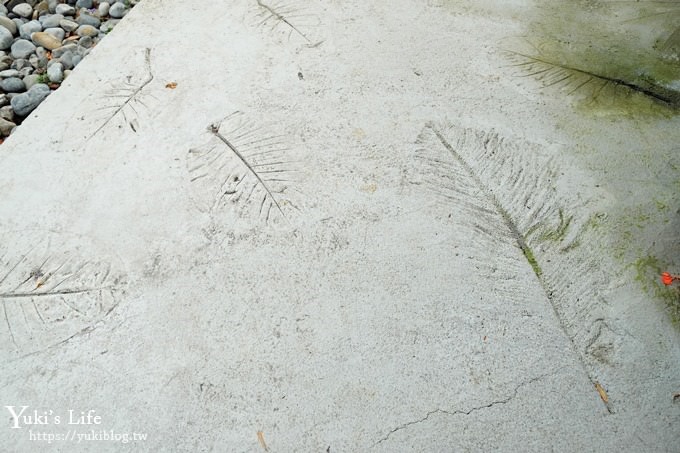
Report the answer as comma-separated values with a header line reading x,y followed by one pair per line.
x,y
41,42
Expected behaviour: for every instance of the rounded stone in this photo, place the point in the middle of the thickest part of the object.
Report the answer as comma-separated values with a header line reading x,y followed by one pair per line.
x,y
12,85
56,73
117,10
103,9
6,38
56,53
26,30
7,113
52,5
68,25
86,41
84,4
57,32
23,10
51,20
46,40
31,80
25,103
67,60
87,30
22,48
9,73
8,24
65,10
88,19
6,127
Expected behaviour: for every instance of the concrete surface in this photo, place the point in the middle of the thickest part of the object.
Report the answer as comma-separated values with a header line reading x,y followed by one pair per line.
x,y
361,234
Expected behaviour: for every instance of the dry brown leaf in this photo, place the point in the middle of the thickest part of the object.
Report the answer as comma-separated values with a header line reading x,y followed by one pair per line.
x,y
602,392
260,437
171,85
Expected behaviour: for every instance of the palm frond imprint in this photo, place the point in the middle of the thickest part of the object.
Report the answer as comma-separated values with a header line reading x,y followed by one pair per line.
x,y
574,80
49,296
126,99
508,192
243,167
289,17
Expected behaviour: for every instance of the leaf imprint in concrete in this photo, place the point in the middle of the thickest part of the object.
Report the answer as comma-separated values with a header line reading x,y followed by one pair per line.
x,y
243,167
52,291
125,99
509,189
292,19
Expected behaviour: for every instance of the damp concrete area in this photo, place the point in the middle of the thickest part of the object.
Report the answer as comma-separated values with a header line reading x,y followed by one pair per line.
x,y
416,225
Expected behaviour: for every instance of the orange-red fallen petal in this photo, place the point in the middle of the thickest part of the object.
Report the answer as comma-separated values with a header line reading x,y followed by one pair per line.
x,y
666,278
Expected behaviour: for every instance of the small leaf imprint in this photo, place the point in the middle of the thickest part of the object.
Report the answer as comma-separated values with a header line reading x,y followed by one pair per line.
x,y
289,18
244,168
125,99
50,292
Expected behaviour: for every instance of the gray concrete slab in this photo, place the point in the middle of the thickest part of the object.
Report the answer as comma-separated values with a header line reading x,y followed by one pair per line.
x,y
353,230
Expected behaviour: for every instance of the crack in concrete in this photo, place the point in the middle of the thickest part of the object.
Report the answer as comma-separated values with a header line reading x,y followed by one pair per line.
x,y
505,400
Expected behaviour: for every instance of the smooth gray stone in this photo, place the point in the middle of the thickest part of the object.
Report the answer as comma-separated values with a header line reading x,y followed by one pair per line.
x,y
117,10
88,19
57,53
9,73
25,103
67,60
22,48
84,4
103,9
64,9
26,30
68,25
12,85
51,20
55,72
6,38
86,41
23,10
57,32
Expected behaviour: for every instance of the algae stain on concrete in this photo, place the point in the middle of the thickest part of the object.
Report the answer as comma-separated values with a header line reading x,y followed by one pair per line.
x,y
648,259
615,57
